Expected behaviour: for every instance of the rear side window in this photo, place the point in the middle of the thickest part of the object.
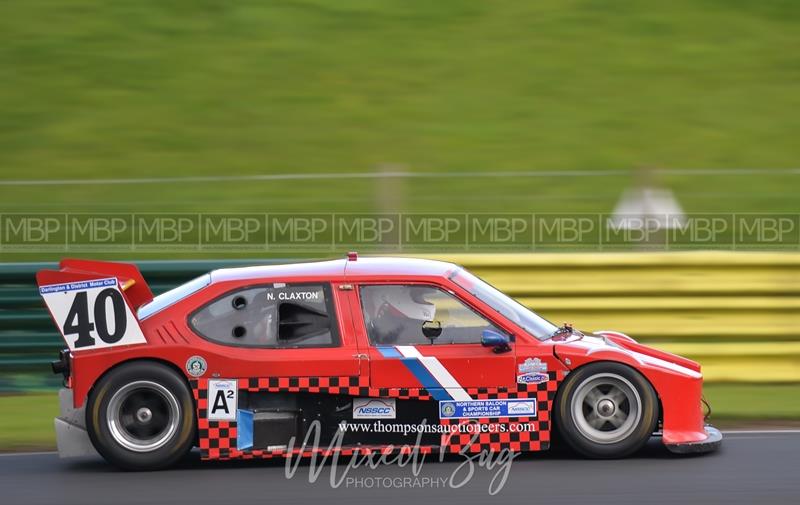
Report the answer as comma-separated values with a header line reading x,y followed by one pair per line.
x,y
272,316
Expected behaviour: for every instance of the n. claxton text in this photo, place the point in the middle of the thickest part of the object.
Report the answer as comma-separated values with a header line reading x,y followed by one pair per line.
x,y
297,295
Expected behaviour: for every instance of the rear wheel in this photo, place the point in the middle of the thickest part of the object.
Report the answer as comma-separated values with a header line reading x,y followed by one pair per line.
x,y
606,410
140,416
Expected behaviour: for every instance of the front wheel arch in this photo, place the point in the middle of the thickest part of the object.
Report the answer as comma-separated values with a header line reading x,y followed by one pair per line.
x,y
563,426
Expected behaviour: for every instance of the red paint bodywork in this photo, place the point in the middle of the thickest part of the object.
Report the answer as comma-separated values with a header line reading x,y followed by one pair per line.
x,y
170,339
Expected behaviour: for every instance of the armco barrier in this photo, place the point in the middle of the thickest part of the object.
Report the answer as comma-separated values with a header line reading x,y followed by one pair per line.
x,y
736,313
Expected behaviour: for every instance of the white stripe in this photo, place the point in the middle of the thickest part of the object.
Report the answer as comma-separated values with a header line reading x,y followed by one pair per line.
x,y
439,372
449,382
408,351
394,175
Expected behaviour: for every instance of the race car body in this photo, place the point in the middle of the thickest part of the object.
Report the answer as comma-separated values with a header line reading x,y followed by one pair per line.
x,y
358,354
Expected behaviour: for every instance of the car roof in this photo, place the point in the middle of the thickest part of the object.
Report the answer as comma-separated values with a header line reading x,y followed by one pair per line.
x,y
363,267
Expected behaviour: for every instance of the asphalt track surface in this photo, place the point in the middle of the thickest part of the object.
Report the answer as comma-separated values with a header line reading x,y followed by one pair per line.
x,y
751,467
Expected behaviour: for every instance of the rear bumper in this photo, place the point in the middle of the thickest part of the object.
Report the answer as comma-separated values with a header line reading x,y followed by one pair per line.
x,y
711,443
72,439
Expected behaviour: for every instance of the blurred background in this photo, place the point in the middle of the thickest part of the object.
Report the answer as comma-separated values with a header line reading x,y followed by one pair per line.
x,y
588,108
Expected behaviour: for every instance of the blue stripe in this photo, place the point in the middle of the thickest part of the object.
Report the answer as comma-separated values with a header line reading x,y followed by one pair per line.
x,y
426,379
389,352
244,432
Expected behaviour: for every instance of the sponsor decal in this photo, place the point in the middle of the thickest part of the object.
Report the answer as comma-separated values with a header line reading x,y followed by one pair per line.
x,y
196,366
374,408
473,409
532,365
92,314
448,410
522,408
222,399
532,378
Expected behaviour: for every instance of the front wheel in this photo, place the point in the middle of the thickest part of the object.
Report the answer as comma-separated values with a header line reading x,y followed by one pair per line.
x,y
606,410
140,416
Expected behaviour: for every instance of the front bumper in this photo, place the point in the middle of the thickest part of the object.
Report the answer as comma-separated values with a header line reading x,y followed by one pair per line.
x,y
711,443
72,439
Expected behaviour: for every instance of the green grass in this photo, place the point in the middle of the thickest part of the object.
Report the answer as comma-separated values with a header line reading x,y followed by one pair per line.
x,y
27,420
94,88
753,402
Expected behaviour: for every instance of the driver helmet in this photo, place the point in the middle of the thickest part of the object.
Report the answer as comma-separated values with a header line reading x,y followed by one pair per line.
x,y
395,306
406,301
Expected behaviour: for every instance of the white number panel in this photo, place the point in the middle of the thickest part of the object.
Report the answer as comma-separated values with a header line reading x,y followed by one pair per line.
x,y
222,400
92,314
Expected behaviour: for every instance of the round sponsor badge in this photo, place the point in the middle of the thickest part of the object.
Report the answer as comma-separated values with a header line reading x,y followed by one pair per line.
x,y
448,410
196,366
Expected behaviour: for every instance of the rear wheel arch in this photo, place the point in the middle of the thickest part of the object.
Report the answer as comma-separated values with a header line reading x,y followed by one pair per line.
x,y
157,378
169,364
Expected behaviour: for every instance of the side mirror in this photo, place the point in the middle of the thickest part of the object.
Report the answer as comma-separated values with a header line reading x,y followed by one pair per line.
x,y
432,330
498,341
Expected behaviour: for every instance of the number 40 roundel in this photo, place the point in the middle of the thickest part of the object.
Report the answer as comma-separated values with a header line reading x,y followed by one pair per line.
x,y
92,314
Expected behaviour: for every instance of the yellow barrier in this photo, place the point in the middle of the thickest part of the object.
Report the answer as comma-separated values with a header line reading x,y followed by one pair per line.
x,y
737,313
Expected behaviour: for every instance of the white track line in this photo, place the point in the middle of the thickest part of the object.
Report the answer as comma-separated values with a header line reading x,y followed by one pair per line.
x,y
760,432
39,453
389,175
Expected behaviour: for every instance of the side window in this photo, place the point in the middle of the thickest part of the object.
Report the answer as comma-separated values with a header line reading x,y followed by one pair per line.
x,y
394,315
276,315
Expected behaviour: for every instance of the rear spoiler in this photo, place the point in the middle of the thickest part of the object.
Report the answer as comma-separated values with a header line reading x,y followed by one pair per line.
x,y
93,303
133,285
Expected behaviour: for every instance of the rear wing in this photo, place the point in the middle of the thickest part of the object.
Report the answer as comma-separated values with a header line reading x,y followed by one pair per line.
x,y
93,302
136,290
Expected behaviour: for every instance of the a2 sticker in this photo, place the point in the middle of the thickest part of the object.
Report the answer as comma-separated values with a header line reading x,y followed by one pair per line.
x,y
92,314
223,397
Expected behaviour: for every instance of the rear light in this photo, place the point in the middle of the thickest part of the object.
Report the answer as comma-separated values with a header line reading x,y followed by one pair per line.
x,y
62,364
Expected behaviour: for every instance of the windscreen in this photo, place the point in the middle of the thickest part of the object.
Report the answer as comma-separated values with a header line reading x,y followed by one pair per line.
x,y
517,313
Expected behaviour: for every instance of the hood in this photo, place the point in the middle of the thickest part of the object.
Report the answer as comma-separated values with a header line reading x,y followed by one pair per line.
x,y
616,342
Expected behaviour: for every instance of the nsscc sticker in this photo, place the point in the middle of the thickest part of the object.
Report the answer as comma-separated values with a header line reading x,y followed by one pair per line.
x,y
473,409
92,314
374,408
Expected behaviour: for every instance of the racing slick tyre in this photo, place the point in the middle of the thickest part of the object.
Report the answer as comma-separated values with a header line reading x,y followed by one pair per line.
x,y
606,410
140,416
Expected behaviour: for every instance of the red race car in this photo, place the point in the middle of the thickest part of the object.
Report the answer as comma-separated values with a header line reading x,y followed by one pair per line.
x,y
358,354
